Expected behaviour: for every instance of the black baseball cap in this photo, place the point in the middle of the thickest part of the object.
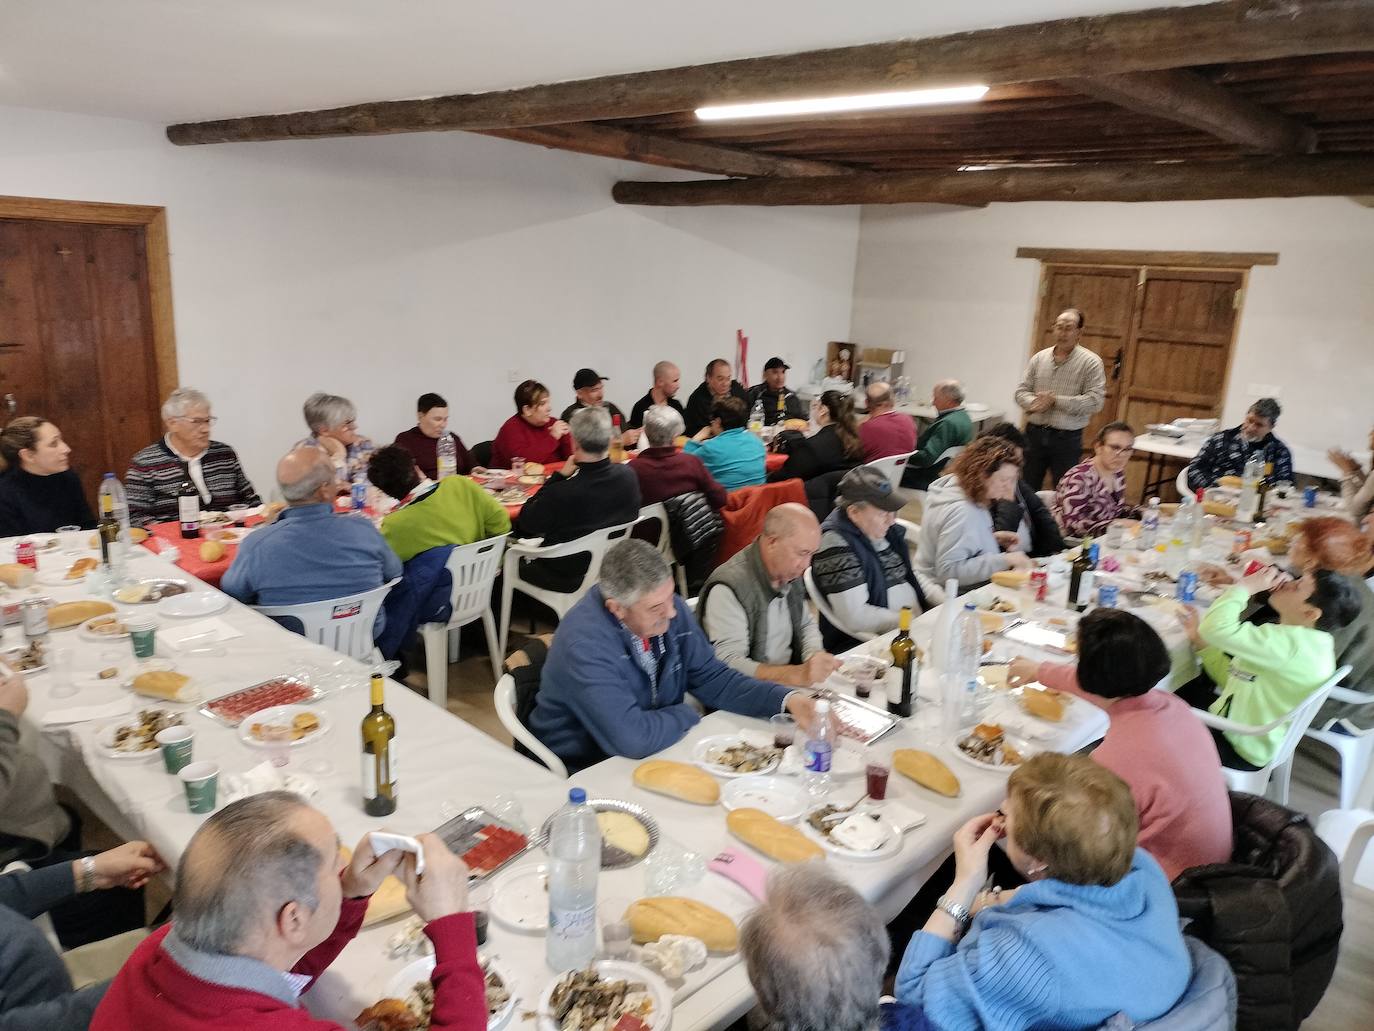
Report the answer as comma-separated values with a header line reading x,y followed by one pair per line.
x,y
873,488
587,378
775,363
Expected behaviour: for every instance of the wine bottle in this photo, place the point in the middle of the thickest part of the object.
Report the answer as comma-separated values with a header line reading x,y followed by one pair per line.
x,y
379,763
1081,565
188,508
1262,491
108,528
904,658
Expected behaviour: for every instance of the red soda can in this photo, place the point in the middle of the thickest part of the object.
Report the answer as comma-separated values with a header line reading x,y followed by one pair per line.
x,y
1240,542
26,554
1041,581
1253,566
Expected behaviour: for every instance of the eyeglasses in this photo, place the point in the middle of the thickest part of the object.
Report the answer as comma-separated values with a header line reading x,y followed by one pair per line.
x,y
198,423
1116,450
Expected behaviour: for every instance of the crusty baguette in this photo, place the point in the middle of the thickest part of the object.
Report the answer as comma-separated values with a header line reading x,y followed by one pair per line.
x,y
14,574
773,838
1219,509
1014,578
70,613
678,780
650,919
1048,705
926,770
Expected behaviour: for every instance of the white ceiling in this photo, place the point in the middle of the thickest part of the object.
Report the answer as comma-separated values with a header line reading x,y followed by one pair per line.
x,y
183,60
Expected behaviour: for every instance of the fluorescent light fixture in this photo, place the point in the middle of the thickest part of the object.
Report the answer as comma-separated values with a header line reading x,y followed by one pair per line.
x,y
833,105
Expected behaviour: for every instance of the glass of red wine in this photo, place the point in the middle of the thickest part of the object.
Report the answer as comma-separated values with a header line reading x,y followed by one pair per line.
x,y
877,769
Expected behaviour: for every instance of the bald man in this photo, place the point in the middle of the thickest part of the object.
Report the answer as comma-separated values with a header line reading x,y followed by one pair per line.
x,y
667,378
309,553
753,607
265,902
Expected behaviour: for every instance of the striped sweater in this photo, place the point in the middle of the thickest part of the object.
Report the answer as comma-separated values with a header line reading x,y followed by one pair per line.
x,y
157,471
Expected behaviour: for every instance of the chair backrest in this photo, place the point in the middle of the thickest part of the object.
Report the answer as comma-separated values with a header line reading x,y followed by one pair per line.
x,y
1182,482
473,568
481,453
746,508
823,607
343,624
652,526
950,453
505,710
1303,716
892,467
594,545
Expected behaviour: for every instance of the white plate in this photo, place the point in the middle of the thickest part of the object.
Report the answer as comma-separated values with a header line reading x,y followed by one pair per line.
x,y
520,899
8,656
91,635
1071,705
779,797
104,739
282,714
190,693
1019,743
891,845
706,745
419,970
196,603
58,578
659,1020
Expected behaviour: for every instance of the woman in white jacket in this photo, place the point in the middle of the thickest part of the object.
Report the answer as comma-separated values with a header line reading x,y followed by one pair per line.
x,y
957,538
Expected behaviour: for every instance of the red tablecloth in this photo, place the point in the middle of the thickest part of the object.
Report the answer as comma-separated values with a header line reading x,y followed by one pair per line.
x,y
169,534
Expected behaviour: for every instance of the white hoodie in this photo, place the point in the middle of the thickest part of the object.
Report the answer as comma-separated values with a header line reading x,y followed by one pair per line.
x,y
957,538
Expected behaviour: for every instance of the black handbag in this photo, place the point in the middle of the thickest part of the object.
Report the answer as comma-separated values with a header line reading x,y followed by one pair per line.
x,y
694,527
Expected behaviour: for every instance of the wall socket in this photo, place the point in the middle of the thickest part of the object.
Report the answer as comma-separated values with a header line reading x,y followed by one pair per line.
x,y
512,375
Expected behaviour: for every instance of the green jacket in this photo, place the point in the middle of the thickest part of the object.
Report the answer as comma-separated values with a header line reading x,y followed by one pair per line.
x,y
1264,671
951,429
455,511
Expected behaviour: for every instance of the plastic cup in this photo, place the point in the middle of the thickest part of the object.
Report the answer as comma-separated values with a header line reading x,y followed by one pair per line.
x,y
877,768
238,513
143,636
176,744
72,538
200,781
784,729
517,466
277,740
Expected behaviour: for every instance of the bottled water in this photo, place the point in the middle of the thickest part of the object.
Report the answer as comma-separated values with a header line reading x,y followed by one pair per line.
x,y
445,455
944,625
959,682
756,418
574,864
1149,526
1249,488
820,748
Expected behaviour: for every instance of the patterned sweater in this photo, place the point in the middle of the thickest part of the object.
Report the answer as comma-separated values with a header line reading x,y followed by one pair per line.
x,y
1084,503
1226,453
156,472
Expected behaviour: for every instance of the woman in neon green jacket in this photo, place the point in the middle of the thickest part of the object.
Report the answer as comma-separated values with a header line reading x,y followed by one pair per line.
x,y
1266,670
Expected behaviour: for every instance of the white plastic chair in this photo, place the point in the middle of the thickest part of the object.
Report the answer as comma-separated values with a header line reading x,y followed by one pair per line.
x,y
344,624
505,709
593,545
658,512
893,466
1256,782
1354,749
1348,833
946,456
1182,482
473,568
818,599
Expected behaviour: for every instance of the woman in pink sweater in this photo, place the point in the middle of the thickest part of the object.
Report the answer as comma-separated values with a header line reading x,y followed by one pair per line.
x,y
1154,742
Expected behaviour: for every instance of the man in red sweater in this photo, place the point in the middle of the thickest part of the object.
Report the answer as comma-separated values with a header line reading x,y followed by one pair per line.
x,y
663,470
264,903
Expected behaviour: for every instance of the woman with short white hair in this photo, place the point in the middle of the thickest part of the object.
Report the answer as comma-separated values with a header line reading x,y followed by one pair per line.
x,y
333,423
156,472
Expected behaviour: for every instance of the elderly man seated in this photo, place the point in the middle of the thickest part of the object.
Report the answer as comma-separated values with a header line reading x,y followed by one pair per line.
x,y
159,469
429,515
664,471
624,658
754,608
309,553
265,901
1226,453
886,431
591,494
815,952
952,428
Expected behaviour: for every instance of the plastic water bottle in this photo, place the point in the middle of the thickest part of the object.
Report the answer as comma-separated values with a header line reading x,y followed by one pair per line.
x,y
1248,504
756,418
1199,527
445,455
574,865
820,748
1149,526
359,492
944,625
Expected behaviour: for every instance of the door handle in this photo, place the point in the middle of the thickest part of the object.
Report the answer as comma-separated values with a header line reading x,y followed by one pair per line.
x,y
11,404
1116,365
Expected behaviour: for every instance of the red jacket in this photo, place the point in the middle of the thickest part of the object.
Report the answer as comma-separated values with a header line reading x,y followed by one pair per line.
x,y
153,991
518,439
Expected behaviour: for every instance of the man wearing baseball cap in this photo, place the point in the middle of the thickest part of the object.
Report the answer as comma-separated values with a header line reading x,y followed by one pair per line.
x,y
773,387
591,394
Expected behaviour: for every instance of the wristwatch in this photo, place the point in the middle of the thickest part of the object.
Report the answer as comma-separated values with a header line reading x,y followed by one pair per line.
x,y
956,911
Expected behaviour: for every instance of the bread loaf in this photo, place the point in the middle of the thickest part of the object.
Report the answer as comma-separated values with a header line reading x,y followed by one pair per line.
x,y
650,919
81,567
678,780
1219,509
926,770
12,574
163,683
211,551
773,838
70,613
1013,578
1045,703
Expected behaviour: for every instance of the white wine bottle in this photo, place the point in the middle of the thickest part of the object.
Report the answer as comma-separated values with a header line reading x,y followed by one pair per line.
x,y
379,764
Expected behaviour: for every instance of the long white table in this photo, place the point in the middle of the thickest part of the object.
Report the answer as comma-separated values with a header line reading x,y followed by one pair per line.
x,y
447,765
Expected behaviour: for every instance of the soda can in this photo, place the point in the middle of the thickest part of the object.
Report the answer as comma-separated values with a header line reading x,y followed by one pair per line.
x,y
359,495
1252,567
26,554
1309,497
34,613
1106,596
1187,586
1241,542
1041,580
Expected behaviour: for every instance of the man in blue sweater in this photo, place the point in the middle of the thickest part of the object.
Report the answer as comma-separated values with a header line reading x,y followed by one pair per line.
x,y
624,658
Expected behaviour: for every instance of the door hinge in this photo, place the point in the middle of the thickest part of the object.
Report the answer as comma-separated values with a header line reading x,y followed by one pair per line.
x,y
1237,298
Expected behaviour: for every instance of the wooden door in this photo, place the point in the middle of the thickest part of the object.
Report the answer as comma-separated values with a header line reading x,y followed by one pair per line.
x,y
76,337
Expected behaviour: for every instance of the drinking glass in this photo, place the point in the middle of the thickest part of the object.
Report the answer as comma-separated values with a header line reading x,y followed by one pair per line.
x,y
71,538
276,739
672,867
877,769
60,669
784,729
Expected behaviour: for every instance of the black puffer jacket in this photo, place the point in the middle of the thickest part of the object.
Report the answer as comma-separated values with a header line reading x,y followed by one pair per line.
x,y
1274,912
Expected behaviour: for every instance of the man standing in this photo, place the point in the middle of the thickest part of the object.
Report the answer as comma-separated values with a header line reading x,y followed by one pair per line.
x,y
667,376
886,431
952,428
717,386
587,385
1064,386
754,609
1226,453
773,387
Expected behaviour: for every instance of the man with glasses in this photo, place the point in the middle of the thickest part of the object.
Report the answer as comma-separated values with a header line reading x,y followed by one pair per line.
x,y
159,469
623,661
1093,493
1063,387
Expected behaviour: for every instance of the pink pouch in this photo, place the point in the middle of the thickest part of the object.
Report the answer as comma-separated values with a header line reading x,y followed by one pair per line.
x,y
744,870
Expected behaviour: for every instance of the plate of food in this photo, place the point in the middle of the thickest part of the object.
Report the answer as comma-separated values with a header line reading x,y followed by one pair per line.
x,y
610,994
512,496
26,659
193,604
860,835
215,519
105,628
135,737
410,994
149,592
520,899
1000,606
989,746
226,534
304,723
230,709
74,573
628,832
1044,703
729,755
783,799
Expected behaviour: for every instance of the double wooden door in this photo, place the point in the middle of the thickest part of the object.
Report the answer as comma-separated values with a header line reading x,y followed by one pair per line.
x,y
76,338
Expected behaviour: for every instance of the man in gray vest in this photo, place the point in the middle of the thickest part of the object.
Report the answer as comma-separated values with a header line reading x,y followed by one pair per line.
x,y
753,608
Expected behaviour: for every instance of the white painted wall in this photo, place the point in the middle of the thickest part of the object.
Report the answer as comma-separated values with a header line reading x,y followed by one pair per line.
x,y
945,284
381,268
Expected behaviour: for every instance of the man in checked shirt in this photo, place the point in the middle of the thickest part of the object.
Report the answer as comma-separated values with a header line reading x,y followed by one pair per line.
x,y
1062,389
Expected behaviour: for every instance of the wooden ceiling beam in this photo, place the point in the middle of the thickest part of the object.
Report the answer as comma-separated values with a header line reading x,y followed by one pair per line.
x,y
1171,37
1189,99
1133,181
610,142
